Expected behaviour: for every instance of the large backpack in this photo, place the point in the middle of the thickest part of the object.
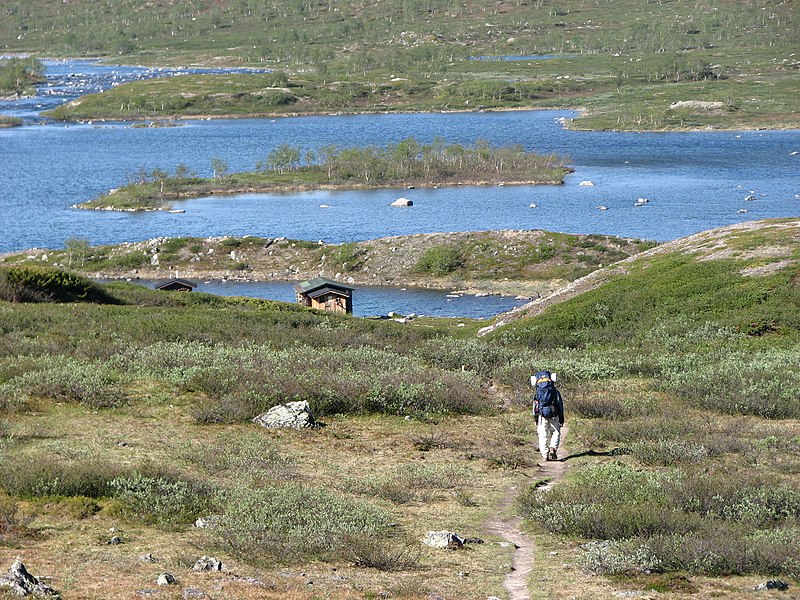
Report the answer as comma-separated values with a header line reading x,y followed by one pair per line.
x,y
546,396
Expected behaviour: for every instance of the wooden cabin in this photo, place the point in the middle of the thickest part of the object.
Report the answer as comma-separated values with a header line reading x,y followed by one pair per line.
x,y
325,294
175,285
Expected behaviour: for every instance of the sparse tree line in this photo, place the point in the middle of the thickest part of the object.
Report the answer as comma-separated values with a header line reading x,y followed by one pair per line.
x,y
410,160
17,75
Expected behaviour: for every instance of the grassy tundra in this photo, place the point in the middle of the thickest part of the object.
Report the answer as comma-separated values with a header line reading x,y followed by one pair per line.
x,y
627,63
130,409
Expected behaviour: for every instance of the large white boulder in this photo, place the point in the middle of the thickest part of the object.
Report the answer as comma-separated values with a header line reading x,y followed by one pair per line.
x,y
293,415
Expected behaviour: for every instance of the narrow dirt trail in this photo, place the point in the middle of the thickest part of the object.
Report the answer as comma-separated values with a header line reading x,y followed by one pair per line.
x,y
508,526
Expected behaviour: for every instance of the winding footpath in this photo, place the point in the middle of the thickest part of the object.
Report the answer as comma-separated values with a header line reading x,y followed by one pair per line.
x,y
508,526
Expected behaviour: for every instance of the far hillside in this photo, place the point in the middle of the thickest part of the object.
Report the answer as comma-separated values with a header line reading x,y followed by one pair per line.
x,y
630,65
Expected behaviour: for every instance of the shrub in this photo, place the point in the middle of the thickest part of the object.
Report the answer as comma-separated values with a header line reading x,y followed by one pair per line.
x,y
244,455
293,522
378,552
440,260
73,381
348,257
664,453
161,501
414,482
47,284
12,520
50,475
742,383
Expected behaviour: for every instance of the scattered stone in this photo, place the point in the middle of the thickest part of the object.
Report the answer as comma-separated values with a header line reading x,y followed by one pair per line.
x,y
194,593
772,584
443,539
697,105
492,598
473,540
294,415
23,583
165,579
208,522
115,540
148,558
402,202
207,563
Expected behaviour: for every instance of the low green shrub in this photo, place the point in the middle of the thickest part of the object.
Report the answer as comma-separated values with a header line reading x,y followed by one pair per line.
x,y
378,552
293,522
677,521
47,284
70,380
663,453
12,518
722,552
413,482
244,455
440,260
50,475
764,384
238,383
167,503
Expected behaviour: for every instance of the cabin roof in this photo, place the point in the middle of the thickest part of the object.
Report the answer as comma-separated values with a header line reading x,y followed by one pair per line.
x,y
328,290
314,287
167,282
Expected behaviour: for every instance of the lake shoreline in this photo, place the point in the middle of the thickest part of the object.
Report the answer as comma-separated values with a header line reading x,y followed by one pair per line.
x,y
303,187
569,123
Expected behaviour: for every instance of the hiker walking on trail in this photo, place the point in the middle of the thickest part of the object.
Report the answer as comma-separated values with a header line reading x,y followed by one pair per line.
x,y
548,408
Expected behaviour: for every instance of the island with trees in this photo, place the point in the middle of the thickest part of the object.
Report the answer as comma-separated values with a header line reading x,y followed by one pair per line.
x,y
406,163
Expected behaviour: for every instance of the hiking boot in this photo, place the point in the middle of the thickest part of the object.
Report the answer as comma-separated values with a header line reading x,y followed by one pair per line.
x,y
552,454
546,456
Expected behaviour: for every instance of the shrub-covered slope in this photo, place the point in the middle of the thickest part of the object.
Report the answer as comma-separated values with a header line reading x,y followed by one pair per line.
x,y
745,276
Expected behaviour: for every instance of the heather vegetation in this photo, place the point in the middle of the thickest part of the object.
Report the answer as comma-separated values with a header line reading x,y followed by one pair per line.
x,y
684,436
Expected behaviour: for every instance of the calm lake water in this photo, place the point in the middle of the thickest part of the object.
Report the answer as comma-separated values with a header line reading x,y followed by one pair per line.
x,y
371,301
694,181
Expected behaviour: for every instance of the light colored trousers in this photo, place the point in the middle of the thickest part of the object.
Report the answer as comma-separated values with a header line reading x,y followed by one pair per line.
x,y
548,428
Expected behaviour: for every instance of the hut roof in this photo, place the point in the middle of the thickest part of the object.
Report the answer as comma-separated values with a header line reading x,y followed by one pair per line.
x,y
167,282
319,285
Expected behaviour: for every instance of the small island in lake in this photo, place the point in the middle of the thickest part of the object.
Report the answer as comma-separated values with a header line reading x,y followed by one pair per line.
x,y
406,163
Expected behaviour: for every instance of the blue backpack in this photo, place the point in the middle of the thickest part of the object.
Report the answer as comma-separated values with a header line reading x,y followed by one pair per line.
x,y
546,395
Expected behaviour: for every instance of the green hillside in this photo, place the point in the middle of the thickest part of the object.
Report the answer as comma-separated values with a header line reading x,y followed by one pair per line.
x,y
632,65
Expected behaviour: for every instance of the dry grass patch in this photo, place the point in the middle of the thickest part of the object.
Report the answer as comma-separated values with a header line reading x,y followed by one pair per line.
x,y
162,434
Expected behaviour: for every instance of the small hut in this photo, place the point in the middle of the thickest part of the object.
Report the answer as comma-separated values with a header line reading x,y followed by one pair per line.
x,y
325,294
175,285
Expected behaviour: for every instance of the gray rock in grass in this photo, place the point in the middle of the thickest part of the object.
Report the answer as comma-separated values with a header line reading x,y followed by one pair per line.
x,y
23,583
208,563
292,415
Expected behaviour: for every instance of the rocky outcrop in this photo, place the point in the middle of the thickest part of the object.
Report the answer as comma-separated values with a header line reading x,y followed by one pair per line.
x,y
208,563
293,415
23,583
402,202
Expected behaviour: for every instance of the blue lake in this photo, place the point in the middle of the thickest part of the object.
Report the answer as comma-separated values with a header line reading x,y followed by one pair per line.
x,y
694,181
